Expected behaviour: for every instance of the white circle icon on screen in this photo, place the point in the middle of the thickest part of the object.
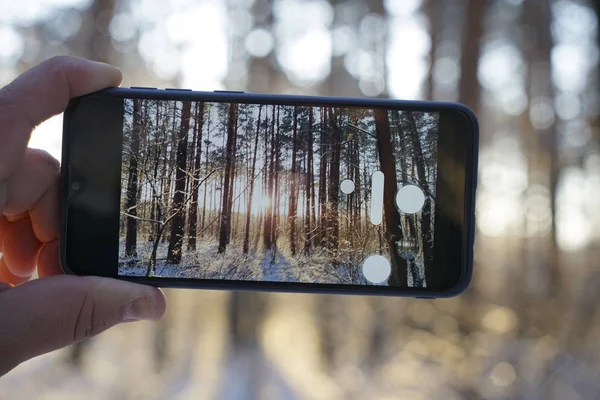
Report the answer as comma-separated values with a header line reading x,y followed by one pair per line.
x,y
410,199
347,186
376,269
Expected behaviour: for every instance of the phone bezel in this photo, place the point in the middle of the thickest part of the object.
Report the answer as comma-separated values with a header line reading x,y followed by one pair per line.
x,y
463,139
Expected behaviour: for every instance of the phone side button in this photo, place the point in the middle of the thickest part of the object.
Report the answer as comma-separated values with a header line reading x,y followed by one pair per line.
x,y
228,91
143,87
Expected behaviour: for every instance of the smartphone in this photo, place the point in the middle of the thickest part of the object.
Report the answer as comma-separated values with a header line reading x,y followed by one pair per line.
x,y
239,191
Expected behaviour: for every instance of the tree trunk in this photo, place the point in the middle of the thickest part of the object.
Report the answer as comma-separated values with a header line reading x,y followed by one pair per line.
x,y
334,183
252,178
293,198
193,219
132,184
349,198
357,191
152,263
203,223
276,197
324,157
225,230
366,195
267,234
426,229
393,230
155,191
178,206
169,164
309,184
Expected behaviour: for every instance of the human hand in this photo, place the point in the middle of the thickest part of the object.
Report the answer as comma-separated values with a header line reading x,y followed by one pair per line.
x,y
42,315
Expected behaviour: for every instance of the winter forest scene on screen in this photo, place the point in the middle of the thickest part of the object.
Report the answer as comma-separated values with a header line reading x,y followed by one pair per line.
x,y
279,193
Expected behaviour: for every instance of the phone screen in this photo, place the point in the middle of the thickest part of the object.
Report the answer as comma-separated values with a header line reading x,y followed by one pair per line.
x,y
280,193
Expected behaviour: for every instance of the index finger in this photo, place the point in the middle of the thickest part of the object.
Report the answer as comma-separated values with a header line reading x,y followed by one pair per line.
x,y
40,93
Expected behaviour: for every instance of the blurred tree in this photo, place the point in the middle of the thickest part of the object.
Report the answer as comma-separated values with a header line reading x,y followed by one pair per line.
x,y
339,82
327,314
93,40
469,87
434,16
266,74
596,120
245,315
541,134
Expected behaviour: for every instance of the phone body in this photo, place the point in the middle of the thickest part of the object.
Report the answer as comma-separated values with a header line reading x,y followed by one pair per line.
x,y
239,191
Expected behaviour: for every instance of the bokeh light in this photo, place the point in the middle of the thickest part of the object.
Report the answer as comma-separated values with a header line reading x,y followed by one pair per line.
x,y
12,46
259,42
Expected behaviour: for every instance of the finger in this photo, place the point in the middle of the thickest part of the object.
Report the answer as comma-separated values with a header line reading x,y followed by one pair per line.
x,y
8,277
45,213
20,248
36,174
40,93
47,314
48,261
34,187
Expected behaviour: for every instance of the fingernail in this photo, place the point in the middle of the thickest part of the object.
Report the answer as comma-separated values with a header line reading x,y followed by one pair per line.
x,y
140,310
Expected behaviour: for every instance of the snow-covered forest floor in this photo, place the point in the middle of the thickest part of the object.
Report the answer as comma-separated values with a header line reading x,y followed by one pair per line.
x,y
274,266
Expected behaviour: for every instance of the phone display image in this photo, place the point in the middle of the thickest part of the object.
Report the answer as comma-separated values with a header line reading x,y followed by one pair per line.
x,y
283,193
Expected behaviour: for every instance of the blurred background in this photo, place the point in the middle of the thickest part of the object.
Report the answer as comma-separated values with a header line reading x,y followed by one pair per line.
x,y
528,327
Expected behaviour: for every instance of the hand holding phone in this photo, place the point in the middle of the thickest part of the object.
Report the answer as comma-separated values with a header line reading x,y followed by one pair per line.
x,y
266,192
46,314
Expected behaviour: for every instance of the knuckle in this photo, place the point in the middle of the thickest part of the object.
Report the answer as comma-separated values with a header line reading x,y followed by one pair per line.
x,y
57,63
57,67
84,321
89,321
61,66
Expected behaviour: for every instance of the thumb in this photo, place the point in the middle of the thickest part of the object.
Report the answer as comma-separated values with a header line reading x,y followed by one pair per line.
x,y
47,314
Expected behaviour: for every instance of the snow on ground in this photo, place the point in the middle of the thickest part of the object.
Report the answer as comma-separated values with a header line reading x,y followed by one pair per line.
x,y
271,266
